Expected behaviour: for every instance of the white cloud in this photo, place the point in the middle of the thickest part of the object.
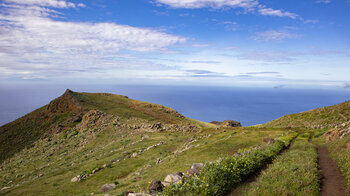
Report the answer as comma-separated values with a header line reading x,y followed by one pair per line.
x,y
323,1
272,12
248,5
276,35
209,3
32,41
46,3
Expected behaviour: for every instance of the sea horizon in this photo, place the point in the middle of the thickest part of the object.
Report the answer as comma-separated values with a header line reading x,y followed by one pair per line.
x,y
248,105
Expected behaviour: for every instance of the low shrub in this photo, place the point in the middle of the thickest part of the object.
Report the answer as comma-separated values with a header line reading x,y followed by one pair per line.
x,y
220,177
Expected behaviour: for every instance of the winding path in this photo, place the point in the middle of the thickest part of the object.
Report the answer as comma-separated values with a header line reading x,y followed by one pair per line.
x,y
332,182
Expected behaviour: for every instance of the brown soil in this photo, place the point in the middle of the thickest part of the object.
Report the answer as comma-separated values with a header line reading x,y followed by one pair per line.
x,y
332,180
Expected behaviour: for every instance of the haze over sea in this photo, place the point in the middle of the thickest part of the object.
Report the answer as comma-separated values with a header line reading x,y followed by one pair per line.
x,y
249,106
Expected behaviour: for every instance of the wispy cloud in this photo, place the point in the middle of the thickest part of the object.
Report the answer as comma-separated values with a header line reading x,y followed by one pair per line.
x,y
263,73
273,12
32,39
46,3
269,56
197,73
247,5
274,35
323,1
206,62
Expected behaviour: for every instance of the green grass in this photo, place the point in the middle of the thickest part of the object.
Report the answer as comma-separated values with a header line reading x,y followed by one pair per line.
x,y
219,177
314,119
295,172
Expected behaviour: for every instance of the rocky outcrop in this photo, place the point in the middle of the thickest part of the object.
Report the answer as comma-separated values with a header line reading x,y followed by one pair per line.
x,y
64,103
94,118
338,133
227,123
155,186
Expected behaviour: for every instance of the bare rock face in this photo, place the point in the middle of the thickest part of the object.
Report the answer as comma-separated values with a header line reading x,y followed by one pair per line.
x,y
64,103
155,186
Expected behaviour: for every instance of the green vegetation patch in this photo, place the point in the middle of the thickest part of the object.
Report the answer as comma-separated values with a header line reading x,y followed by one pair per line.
x,y
293,173
218,178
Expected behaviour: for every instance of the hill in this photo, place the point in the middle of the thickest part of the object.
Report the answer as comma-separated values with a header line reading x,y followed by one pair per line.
x,y
320,118
97,143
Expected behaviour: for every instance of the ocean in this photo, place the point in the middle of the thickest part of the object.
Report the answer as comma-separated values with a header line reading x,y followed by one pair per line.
x,y
250,106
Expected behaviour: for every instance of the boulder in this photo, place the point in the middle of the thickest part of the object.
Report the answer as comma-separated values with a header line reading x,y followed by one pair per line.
x,y
197,166
155,186
269,141
173,178
134,154
76,179
107,187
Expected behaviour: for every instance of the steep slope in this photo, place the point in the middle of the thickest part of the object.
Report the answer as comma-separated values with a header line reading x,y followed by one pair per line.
x,y
60,114
67,111
327,117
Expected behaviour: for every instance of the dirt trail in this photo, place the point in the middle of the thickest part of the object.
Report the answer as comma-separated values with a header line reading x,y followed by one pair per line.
x,y
332,180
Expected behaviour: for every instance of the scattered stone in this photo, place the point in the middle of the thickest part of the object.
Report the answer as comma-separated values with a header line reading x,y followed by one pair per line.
x,y
158,161
107,187
173,178
156,126
4,188
155,186
76,179
41,175
332,135
269,141
134,154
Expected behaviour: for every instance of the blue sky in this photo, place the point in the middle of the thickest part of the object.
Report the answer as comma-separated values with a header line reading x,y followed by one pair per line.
x,y
270,43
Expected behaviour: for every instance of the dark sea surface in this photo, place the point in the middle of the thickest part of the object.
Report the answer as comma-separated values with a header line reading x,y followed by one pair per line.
x,y
250,106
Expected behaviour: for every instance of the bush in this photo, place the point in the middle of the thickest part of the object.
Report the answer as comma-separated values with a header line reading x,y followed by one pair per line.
x,y
220,177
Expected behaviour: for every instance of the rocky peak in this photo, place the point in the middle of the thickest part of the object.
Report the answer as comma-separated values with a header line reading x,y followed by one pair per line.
x,y
64,103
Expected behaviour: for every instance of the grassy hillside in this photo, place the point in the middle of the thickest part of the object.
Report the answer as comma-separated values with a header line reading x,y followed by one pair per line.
x,y
320,118
130,142
94,139
66,111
